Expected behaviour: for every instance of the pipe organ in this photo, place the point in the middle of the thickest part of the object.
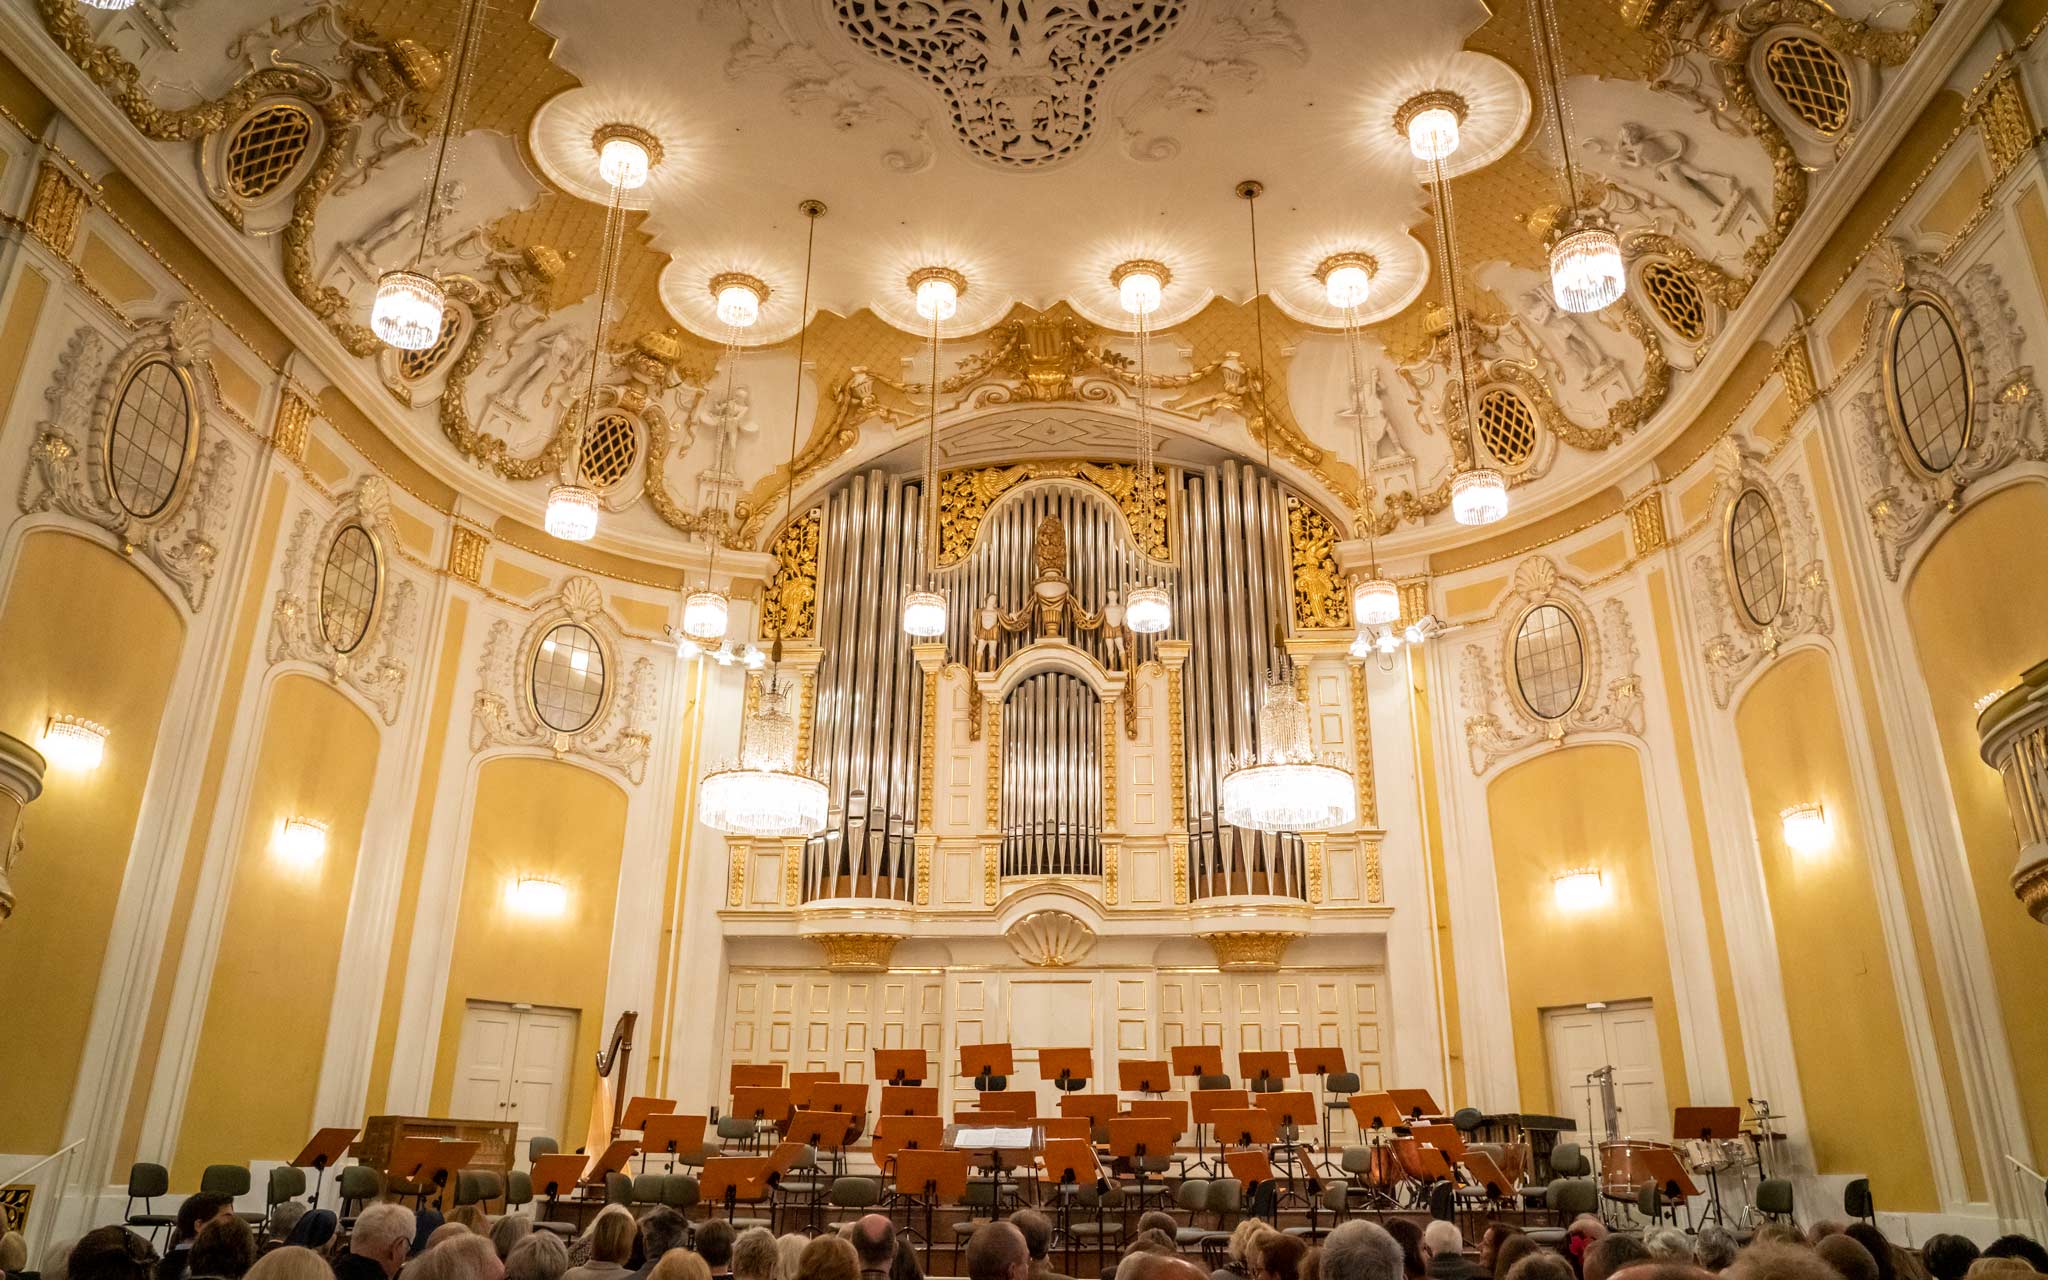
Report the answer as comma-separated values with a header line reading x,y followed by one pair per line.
x,y
1221,547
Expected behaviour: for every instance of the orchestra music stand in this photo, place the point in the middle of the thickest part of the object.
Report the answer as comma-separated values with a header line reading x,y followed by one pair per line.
x,y
983,1063
895,1134
1414,1103
902,1066
672,1135
410,1162
736,1178
759,1075
639,1109
1197,1059
1262,1064
1136,1137
1708,1124
803,1086
1144,1077
1488,1175
1065,1129
1255,1171
1376,1111
763,1103
1287,1107
1203,1104
613,1160
1321,1061
1068,1069
909,1100
322,1150
924,1177
1001,1152
1674,1184
1097,1107
450,1155
1067,1162
554,1171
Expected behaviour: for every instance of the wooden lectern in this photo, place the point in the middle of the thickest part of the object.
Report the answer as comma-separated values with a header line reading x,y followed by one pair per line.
x,y
639,1109
1262,1064
320,1153
760,1075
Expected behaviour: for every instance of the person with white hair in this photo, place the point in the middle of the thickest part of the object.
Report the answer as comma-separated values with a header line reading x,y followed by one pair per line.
x,y
1668,1244
379,1245
1360,1250
1443,1252
468,1256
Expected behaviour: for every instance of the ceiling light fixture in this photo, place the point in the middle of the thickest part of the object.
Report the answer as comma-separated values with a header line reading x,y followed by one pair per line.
x,y
1283,786
937,291
1586,271
573,506
1430,122
74,743
410,307
1140,286
765,795
738,298
706,611
1479,494
1347,277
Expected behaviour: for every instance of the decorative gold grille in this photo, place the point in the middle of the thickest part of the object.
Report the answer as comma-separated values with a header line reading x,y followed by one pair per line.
x,y
267,149
1811,80
609,450
150,438
415,365
1676,299
1507,427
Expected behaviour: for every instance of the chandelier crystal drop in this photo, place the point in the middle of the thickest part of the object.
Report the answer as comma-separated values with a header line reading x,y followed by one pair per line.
x,y
1586,273
408,310
705,614
1149,610
924,615
764,795
1286,788
1375,602
572,513
1479,496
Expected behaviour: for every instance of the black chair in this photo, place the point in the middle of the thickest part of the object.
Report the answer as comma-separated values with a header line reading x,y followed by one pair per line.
x,y
1774,1199
1856,1201
360,1184
232,1181
145,1183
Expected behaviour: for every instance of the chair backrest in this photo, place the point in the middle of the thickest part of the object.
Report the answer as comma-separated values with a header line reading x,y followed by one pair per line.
x,y
1192,1194
1774,1196
147,1180
1357,1160
618,1189
225,1179
1212,1082
361,1182
1443,1200
286,1182
1086,1197
650,1188
1269,1084
855,1193
1336,1197
541,1145
732,1127
1856,1199
1569,1197
1344,1082
1568,1161
681,1192
1467,1118
1226,1196
518,1188
1650,1200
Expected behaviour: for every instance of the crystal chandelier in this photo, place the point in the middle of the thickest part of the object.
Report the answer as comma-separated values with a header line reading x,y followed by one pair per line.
x,y
937,293
110,4
1347,280
1586,271
410,307
1283,787
765,795
1479,494
704,615
1430,123
1140,287
573,506
738,298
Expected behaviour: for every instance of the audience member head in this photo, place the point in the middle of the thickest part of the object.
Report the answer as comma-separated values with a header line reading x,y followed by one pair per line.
x,y
754,1254
13,1252
1947,1257
1151,1241
541,1256
1311,1267
713,1243
1714,1248
1541,1265
904,1265
1823,1228
1241,1254
1490,1242
661,1230
1847,1256
1442,1239
1145,1264
832,1258
1987,1267
383,1233
611,1236
194,1211
508,1231
1360,1250
462,1255
1668,1244
680,1264
2025,1248
1037,1229
1656,1270
224,1247
472,1217
1158,1220
996,1251
1512,1250
1611,1253
283,1216
291,1262
447,1231
1772,1260
789,1251
1409,1237
874,1242
1280,1257
1778,1233
1867,1235
110,1253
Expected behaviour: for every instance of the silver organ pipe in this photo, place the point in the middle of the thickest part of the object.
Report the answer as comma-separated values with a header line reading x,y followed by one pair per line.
x,y
1051,808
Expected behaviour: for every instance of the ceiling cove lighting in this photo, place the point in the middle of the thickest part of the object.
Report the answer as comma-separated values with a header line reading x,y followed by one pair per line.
x,y
1140,287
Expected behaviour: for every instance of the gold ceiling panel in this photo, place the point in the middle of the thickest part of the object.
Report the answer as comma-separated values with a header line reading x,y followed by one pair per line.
x,y
514,72
1598,41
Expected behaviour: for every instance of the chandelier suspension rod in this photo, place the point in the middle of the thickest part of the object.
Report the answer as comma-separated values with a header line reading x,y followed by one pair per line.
x,y
810,209
1145,470
468,35
1365,485
614,233
931,484
1444,216
1543,27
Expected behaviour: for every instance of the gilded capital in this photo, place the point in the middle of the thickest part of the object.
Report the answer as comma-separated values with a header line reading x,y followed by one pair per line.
x,y
1249,952
857,952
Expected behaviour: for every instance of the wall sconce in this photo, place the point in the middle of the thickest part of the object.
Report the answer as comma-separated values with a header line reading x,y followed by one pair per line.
x,y
1806,829
301,843
74,743
537,896
1579,889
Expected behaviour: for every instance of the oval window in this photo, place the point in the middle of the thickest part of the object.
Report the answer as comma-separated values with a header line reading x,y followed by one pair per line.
x,y
1550,661
1930,385
568,678
150,438
1756,549
348,588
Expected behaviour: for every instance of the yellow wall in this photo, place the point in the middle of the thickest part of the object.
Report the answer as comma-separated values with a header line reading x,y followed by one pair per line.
x,y
260,1045
1839,994
1568,807
83,633
1978,607
537,817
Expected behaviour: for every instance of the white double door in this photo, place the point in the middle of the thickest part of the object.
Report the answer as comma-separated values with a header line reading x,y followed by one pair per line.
x,y
1622,1035
514,1064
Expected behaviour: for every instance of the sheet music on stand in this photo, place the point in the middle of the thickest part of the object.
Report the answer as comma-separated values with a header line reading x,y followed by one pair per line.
x,y
993,1137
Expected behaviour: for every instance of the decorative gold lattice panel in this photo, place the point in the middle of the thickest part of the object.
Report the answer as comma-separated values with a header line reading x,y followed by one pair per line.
x,y
609,450
267,149
1507,427
415,365
1811,81
1677,301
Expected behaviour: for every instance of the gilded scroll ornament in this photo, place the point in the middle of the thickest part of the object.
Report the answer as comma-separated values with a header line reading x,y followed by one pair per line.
x,y
1375,886
790,609
736,875
1110,820
966,496
288,431
1319,595
2006,122
466,549
1177,850
1646,523
927,848
1313,846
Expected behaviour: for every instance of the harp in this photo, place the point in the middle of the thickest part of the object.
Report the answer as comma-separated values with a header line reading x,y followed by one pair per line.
x,y
607,1099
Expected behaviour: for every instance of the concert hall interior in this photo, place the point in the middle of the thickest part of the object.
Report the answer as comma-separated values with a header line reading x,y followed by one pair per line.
x,y
1267,610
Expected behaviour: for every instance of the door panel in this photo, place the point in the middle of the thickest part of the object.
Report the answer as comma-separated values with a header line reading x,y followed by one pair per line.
x,y
483,1061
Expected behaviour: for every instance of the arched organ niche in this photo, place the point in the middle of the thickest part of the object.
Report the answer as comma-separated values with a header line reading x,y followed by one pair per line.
x,y
1225,560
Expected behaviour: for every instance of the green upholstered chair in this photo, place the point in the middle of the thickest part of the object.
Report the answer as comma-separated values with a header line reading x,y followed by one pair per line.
x,y
360,1184
478,1186
145,1183
232,1181
1857,1201
1774,1199
1567,1198
1337,1091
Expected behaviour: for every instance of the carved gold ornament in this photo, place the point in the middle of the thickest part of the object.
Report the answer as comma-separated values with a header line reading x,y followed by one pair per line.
x,y
56,209
1320,599
1051,939
790,609
1249,952
966,496
857,952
